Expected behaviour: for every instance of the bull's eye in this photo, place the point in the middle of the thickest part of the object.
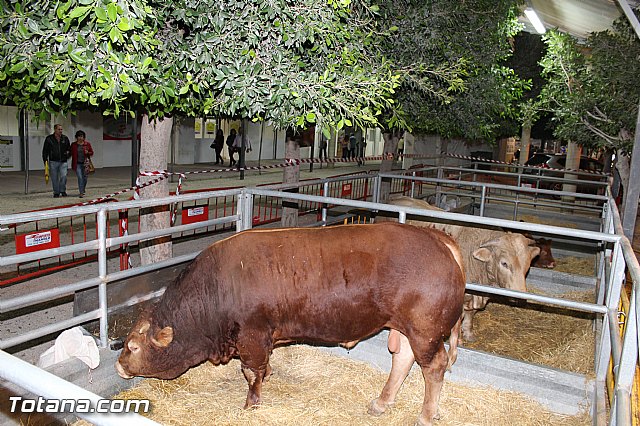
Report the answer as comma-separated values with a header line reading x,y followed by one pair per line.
x,y
504,264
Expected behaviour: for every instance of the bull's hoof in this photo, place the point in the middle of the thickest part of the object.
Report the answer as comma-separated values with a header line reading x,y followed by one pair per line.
x,y
422,422
469,338
376,408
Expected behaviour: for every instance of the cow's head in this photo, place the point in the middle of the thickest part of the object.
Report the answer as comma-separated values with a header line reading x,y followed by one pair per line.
x,y
148,351
507,260
545,259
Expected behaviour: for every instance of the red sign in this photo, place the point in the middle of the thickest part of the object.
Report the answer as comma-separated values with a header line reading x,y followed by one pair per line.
x,y
36,241
346,189
195,214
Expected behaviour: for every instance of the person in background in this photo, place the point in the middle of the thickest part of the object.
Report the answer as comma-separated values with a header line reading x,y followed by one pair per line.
x,y
56,150
217,145
362,150
401,146
237,145
81,151
352,146
230,141
323,147
344,144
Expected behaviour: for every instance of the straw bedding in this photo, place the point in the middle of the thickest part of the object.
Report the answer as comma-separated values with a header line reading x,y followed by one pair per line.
x,y
539,334
312,387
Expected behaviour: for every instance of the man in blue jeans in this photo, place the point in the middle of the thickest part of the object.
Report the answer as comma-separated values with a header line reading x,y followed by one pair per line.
x,y
57,150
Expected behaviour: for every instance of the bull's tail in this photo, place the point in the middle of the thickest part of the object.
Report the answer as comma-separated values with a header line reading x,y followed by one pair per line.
x,y
453,343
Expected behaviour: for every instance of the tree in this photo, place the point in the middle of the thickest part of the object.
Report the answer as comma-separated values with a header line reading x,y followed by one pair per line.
x,y
450,57
591,89
292,63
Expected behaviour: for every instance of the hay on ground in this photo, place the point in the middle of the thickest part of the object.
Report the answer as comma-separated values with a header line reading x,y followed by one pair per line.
x,y
312,387
576,265
539,334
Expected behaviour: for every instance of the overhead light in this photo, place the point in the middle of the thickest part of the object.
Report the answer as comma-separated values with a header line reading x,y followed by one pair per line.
x,y
535,20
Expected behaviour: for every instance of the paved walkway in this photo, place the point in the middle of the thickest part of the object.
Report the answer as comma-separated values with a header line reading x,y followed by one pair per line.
x,y
16,196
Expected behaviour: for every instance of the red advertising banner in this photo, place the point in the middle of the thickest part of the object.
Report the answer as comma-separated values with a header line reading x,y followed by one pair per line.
x,y
36,241
195,214
346,189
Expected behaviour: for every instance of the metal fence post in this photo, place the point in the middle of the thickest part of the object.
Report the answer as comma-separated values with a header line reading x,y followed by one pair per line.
x,y
245,211
325,193
102,273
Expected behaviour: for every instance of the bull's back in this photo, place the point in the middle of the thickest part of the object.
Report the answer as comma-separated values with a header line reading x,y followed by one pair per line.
x,y
333,284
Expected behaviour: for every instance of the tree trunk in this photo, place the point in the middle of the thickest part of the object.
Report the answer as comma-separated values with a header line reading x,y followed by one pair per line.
x,y
623,164
573,162
525,144
154,146
291,175
390,147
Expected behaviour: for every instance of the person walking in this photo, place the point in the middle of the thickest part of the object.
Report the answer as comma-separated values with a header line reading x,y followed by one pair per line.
x,y
230,141
237,146
56,150
344,146
217,145
362,151
323,148
81,152
352,146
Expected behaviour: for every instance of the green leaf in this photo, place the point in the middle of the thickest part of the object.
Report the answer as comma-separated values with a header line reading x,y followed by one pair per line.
x,y
101,13
112,12
18,68
62,9
311,117
77,57
79,12
124,24
114,34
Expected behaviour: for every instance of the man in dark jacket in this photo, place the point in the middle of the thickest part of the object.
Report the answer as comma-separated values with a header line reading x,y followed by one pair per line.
x,y
57,150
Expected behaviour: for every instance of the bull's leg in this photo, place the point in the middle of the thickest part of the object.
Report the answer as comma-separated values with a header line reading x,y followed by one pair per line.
x,y
250,377
254,353
401,362
467,325
453,343
433,373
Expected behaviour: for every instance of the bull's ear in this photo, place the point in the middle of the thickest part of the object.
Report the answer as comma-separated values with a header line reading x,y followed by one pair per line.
x,y
163,337
483,254
533,251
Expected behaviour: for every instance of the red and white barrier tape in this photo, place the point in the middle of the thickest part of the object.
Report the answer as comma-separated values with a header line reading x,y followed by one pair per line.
x,y
485,160
163,174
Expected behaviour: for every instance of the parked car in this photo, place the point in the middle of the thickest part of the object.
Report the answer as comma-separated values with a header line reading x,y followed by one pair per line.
x,y
558,161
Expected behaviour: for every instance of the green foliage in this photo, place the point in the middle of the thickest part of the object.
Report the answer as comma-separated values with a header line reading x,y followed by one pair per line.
x,y
592,90
290,62
451,57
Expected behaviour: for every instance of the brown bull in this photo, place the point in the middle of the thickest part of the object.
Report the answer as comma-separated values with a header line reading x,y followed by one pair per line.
x,y
258,289
496,258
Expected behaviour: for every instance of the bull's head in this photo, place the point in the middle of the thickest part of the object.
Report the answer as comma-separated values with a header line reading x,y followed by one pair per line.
x,y
507,260
147,352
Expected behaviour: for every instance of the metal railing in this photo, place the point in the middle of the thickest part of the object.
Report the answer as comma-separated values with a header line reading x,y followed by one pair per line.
x,y
618,258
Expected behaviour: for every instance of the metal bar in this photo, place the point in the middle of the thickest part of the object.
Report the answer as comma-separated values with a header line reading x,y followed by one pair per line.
x,y
54,293
49,329
439,182
102,274
44,254
47,385
457,217
571,304
116,241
